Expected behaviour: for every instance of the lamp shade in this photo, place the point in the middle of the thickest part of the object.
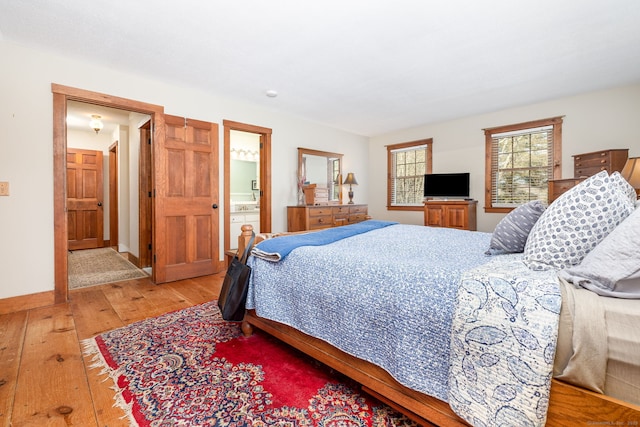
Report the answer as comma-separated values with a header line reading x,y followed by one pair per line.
x,y
96,123
351,179
631,172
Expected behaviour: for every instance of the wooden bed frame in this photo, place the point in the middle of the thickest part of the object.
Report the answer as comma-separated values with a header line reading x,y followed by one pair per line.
x,y
569,405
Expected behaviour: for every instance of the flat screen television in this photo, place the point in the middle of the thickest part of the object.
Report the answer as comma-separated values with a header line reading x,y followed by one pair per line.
x,y
445,185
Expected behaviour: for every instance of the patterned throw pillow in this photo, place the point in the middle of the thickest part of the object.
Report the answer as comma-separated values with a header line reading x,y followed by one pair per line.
x,y
626,188
576,222
512,231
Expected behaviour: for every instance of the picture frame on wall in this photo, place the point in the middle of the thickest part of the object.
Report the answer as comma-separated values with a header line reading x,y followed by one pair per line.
x,y
254,184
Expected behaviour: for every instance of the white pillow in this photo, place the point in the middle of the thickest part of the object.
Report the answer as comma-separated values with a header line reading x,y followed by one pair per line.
x,y
576,222
612,268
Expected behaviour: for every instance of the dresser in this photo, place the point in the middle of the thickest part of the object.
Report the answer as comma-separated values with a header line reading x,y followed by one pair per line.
x,y
586,165
451,214
302,218
559,186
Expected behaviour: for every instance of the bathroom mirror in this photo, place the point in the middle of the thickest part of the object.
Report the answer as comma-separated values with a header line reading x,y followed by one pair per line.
x,y
323,169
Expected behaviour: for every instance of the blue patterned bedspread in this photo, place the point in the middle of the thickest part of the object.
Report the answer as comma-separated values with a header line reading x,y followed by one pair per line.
x,y
503,343
387,296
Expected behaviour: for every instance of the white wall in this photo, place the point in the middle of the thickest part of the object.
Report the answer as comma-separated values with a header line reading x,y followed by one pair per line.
x,y
592,122
26,150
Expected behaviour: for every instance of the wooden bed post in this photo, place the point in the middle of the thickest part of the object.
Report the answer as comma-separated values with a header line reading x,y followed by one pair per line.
x,y
243,239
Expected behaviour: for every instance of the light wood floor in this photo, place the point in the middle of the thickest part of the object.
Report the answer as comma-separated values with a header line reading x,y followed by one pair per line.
x,y
45,380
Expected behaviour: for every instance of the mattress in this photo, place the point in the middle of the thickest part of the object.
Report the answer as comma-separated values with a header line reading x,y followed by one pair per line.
x,y
602,356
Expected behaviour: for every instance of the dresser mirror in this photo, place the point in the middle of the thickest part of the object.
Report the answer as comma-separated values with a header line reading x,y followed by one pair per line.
x,y
323,169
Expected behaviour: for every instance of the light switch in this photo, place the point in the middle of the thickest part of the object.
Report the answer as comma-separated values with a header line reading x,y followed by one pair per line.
x,y
4,188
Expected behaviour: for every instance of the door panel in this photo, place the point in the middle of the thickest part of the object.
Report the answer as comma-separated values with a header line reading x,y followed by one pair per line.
x,y
186,177
84,199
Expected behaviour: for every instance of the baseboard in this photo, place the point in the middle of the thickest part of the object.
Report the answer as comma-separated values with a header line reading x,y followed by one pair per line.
x,y
26,302
132,258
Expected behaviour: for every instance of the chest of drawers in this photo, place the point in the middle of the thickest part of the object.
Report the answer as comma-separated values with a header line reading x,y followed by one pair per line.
x,y
588,164
302,218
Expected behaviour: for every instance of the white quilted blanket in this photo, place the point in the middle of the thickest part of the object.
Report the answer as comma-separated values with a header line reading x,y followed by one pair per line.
x,y
503,343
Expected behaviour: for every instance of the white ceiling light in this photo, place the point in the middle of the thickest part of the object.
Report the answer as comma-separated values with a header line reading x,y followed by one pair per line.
x,y
272,93
96,123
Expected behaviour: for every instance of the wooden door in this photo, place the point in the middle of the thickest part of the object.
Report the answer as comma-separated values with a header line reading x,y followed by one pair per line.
x,y
185,230
85,213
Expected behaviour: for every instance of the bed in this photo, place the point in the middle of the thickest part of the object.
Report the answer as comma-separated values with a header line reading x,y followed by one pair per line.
x,y
430,323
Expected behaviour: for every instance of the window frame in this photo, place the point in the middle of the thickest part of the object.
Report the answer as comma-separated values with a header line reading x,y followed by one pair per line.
x,y
428,142
556,166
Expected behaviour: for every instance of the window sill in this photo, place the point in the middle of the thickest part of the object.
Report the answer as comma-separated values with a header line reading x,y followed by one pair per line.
x,y
405,208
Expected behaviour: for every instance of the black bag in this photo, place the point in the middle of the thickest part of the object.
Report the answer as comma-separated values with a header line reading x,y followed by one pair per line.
x,y
233,294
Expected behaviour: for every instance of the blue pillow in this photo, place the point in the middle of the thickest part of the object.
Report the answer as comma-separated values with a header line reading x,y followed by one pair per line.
x,y
511,233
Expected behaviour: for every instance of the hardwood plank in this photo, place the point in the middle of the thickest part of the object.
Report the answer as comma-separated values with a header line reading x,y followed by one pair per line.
x,y
92,312
165,299
103,395
12,331
51,387
199,289
129,301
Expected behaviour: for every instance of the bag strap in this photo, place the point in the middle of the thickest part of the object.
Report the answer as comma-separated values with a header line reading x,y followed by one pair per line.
x,y
247,249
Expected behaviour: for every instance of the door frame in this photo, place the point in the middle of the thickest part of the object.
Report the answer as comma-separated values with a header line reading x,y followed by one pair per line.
x,y
62,94
145,201
265,176
113,194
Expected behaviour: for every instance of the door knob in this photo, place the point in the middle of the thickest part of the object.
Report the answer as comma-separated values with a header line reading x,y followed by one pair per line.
x,y
214,206
99,203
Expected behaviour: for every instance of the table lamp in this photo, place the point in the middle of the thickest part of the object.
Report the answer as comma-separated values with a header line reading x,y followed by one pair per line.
x,y
631,172
351,180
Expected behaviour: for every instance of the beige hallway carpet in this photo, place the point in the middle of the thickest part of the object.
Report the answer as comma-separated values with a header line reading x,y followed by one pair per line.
x,y
97,266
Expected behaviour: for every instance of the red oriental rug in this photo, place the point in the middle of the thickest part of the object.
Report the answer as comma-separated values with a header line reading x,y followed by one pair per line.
x,y
192,368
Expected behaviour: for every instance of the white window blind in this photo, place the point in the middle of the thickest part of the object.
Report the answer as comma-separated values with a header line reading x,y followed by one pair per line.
x,y
407,181
521,163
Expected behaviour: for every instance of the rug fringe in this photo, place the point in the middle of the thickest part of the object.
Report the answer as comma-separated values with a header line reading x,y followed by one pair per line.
x,y
90,349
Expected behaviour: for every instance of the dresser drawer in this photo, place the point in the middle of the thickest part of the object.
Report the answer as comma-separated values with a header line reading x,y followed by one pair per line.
x,y
358,210
324,211
588,171
340,210
320,221
357,217
590,162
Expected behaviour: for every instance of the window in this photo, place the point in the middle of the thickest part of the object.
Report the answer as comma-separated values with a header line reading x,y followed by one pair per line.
x,y
520,161
406,165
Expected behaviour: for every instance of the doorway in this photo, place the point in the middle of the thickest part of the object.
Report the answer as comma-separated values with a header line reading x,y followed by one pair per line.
x,y
262,188
61,95
118,132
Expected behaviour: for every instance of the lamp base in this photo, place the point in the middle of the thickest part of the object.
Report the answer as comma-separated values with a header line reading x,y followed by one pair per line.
x,y
350,198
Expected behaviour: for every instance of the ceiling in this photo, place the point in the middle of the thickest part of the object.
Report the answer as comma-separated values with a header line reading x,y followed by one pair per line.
x,y
364,66
79,117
